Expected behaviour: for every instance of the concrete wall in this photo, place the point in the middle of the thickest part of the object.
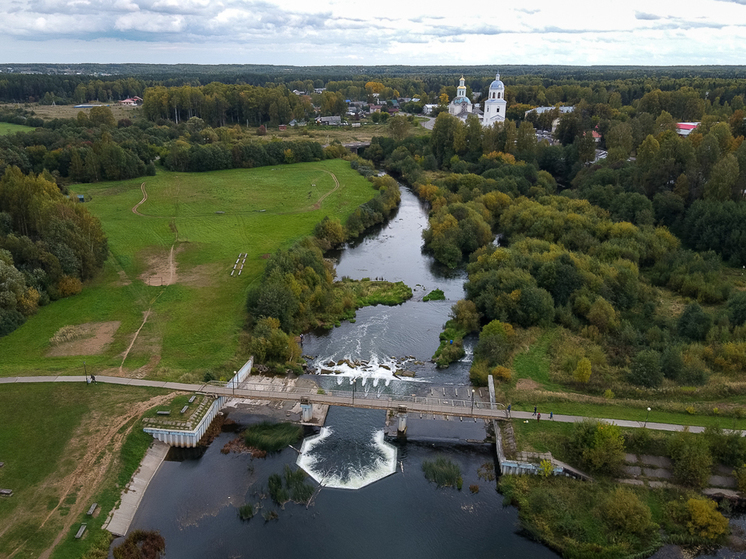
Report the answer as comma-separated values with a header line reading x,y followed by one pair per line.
x,y
189,439
241,375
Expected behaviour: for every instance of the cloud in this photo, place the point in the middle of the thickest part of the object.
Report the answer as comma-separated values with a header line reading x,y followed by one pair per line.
x,y
644,16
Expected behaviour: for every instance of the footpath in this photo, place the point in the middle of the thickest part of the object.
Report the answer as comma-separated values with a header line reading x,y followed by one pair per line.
x,y
198,387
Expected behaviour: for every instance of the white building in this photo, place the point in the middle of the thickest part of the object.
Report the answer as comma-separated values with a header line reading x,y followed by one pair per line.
x,y
461,106
495,105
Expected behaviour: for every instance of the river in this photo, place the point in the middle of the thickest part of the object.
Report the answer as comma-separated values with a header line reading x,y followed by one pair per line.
x,y
193,501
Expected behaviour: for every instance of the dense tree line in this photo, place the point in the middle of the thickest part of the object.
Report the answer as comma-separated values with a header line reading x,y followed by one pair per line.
x,y
49,245
591,257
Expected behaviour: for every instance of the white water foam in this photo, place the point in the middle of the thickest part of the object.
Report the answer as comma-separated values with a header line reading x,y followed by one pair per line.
x,y
355,478
376,369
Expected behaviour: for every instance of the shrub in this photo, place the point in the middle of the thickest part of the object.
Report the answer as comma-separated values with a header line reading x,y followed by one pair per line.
x,y
502,373
272,437
623,511
69,286
691,457
705,521
583,371
141,544
598,446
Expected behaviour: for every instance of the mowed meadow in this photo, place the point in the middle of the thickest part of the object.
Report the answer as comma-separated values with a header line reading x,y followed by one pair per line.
x,y
172,261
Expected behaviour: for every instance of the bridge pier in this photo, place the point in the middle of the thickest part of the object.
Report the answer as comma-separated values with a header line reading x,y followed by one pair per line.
x,y
306,409
401,429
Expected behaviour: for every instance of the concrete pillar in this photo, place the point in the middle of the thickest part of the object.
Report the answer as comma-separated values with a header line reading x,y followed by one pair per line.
x,y
402,427
306,410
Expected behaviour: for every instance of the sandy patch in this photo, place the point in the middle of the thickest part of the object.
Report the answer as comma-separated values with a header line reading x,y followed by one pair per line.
x,y
527,384
161,268
91,339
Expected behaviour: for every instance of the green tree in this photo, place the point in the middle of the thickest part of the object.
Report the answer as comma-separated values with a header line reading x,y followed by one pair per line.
x,y
466,315
737,308
102,116
495,342
646,369
694,323
399,127
722,179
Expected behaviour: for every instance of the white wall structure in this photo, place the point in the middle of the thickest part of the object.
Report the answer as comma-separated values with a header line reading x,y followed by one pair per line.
x,y
190,439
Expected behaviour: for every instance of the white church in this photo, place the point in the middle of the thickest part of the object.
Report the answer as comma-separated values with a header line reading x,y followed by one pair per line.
x,y
494,106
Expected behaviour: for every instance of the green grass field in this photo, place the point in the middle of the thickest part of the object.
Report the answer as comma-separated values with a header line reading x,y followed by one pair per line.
x,y
47,431
194,324
8,128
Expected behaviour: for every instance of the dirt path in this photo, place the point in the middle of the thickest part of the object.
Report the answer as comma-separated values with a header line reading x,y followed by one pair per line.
x,y
141,202
317,205
103,447
126,353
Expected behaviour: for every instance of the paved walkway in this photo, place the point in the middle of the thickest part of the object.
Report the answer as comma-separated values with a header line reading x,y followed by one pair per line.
x,y
121,518
424,405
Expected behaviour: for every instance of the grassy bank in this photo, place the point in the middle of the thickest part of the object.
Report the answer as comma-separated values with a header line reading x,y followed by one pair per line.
x,y
65,447
209,219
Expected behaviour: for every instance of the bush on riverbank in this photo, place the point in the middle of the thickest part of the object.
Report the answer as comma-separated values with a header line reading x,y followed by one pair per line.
x,y
564,514
141,544
443,472
272,437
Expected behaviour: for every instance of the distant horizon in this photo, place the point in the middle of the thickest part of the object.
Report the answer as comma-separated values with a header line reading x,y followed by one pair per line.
x,y
337,33
496,66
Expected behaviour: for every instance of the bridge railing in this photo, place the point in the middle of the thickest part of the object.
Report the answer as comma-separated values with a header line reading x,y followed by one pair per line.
x,y
371,395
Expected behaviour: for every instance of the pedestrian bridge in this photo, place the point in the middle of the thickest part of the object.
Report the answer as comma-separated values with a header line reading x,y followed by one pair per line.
x,y
438,402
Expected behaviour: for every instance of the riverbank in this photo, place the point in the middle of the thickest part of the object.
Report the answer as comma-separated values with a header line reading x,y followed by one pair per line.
x,y
120,518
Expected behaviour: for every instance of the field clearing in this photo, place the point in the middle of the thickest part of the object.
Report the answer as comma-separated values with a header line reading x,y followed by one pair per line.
x,y
48,112
192,325
8,128
59,462
343,134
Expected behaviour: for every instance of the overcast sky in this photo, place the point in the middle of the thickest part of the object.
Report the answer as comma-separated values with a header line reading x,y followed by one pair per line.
x,y
321,32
